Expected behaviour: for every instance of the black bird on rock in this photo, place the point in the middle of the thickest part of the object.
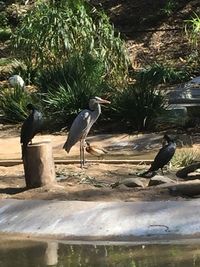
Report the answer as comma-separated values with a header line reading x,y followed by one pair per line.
x,y
163,157
31,126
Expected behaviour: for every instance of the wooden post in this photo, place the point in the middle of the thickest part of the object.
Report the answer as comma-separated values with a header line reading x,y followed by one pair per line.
x,y
51,254
39,166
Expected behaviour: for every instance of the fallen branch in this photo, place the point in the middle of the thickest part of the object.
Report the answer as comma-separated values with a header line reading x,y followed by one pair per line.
x,y
191,168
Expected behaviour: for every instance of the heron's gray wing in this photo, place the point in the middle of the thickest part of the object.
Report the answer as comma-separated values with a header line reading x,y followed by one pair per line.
x,y
80,127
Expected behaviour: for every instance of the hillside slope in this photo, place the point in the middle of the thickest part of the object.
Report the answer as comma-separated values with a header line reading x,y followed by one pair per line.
x,y
153,29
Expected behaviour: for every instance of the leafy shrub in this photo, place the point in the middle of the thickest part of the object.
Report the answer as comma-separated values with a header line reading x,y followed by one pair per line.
x,y
67,88
142,103
11,66
27,72
185,157
192,28
169,7
3,19
139,106
171,118
5,34
79,67
158,73
55,30
13,104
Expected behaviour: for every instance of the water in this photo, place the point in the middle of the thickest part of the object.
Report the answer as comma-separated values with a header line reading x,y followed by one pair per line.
x,y
19,253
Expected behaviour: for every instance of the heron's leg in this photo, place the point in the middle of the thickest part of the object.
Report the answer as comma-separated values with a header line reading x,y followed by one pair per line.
x,y
162,171
81,154
83,147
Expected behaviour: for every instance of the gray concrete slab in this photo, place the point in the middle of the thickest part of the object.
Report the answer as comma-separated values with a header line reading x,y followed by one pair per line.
x,y
99,220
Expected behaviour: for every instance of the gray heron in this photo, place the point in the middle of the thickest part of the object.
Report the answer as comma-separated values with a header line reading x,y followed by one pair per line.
x,y
82,125
31,126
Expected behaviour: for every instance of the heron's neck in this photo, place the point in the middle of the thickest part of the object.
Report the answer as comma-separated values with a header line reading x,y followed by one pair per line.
x,y
97,111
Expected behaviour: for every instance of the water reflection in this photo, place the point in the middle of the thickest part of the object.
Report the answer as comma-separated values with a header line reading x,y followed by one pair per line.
x,y
20,253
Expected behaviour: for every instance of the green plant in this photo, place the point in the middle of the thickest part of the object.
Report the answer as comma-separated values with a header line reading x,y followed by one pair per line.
x,y
158,73
192,28
28,73
5,61
67,88
139,106
79,67
169,7
170,118
5,34
13,104
3,19
185,157
55,30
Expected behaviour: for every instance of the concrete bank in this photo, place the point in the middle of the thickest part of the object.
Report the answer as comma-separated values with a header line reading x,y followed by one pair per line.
x,y
79,220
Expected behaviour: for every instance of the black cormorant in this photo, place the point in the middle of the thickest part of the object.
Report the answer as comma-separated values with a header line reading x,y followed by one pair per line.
x,y
31,126
164,155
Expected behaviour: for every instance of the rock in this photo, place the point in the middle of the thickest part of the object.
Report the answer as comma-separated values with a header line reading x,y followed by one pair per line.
x,y
158,179
131,182
188,188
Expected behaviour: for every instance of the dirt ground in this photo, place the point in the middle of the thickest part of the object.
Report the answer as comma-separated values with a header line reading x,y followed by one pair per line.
x,y
92,183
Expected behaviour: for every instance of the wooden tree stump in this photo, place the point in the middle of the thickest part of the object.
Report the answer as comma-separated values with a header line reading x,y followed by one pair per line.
x,y
39,166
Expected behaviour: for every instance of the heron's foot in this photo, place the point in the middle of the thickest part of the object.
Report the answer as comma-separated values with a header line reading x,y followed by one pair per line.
x,y
85,167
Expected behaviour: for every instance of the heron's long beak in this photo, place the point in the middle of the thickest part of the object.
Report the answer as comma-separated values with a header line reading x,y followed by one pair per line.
x,y
103,101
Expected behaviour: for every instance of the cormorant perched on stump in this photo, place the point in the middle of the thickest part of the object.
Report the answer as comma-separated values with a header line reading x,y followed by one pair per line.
x,y
164,155
31,126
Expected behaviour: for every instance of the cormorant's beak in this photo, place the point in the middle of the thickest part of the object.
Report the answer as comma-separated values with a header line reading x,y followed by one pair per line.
x,y
164,142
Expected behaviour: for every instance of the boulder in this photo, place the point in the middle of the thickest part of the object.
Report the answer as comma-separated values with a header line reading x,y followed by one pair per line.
x,y
131,182
158,179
